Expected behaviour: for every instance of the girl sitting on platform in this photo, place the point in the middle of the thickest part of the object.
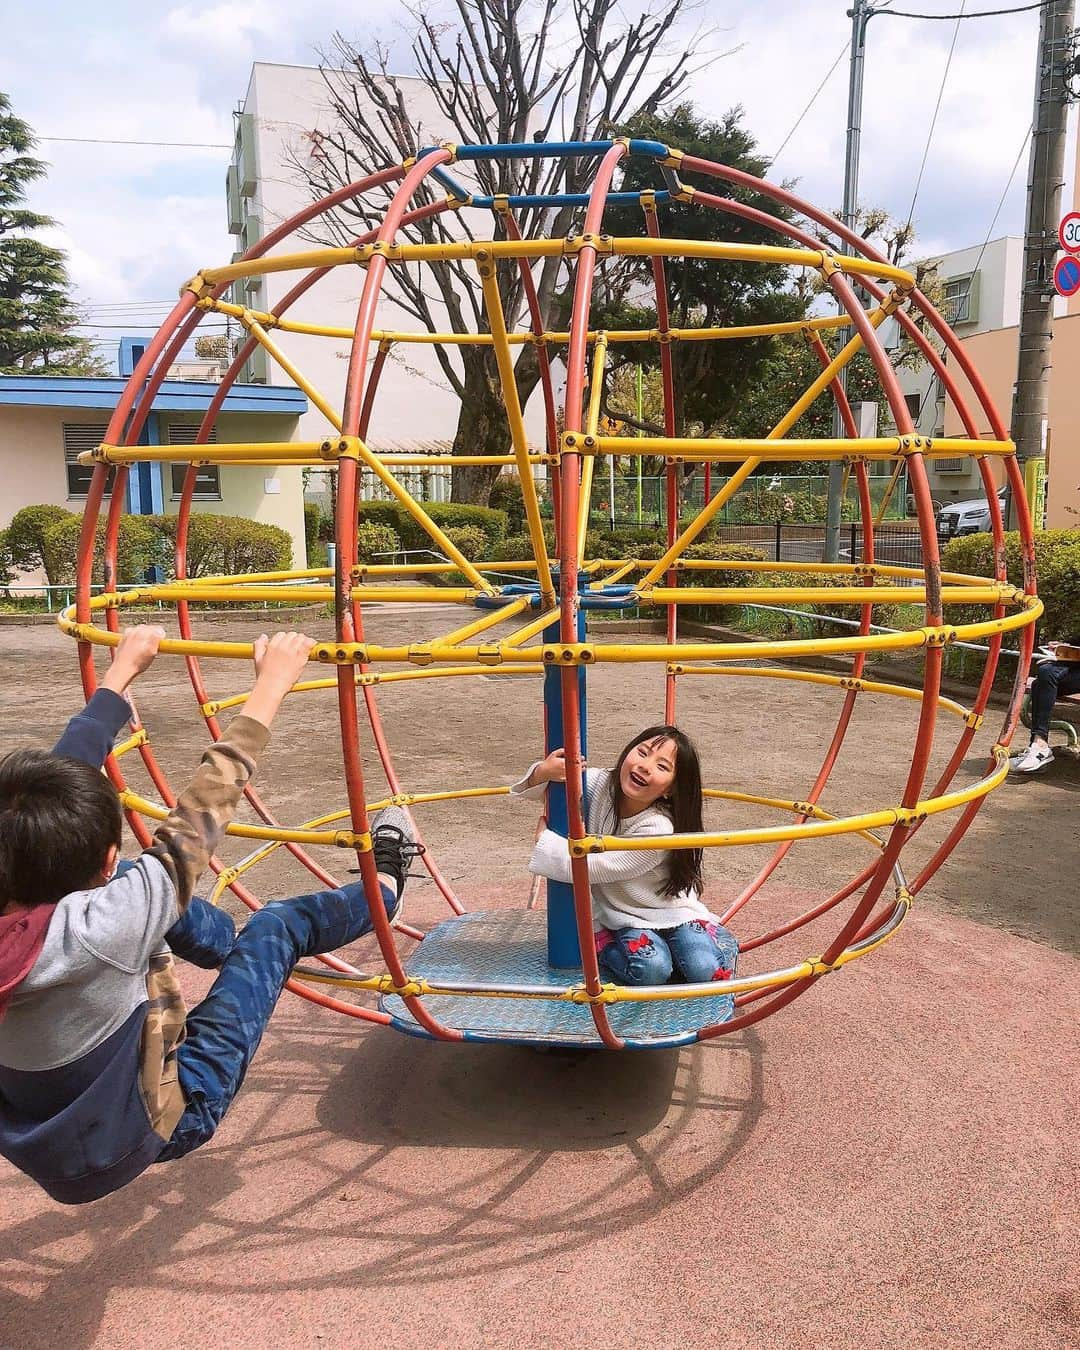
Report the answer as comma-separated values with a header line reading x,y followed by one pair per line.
x,y
651,922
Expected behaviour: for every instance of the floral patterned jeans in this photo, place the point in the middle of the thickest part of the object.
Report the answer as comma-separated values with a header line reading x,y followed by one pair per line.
x,y
694,953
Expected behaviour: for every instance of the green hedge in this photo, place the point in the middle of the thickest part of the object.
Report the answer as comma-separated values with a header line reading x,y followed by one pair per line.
x,y
506,496
25,536
217,545
374,540
139,546
1057,567
447,515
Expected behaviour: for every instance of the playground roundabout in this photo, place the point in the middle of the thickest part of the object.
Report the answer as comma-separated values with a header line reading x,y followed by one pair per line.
x,y
522,976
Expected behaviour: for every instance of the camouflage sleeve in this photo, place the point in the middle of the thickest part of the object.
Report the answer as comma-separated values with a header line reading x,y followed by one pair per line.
x,y
184,841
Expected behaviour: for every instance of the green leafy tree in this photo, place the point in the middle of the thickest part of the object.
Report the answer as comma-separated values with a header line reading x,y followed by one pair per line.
x,y
37,315
710,378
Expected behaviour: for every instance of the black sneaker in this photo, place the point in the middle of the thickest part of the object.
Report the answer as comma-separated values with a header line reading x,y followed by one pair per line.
x,y
394,846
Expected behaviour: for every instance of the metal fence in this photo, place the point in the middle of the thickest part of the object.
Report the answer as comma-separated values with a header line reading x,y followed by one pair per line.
x,y
897,543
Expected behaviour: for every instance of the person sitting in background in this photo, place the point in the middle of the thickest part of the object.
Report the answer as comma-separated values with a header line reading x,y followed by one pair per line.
x,y
1057,676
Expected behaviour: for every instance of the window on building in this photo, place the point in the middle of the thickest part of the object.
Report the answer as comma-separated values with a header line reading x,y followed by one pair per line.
x,y
80,436
914,406
959,299
207,476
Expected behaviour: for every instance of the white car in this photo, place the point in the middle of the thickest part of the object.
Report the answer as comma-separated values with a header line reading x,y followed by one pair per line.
x,y
970,517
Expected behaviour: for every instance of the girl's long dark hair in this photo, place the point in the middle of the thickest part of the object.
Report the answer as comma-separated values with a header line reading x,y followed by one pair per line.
x,y
683,805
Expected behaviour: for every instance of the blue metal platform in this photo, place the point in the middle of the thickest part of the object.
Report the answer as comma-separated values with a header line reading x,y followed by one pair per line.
x,y
509,947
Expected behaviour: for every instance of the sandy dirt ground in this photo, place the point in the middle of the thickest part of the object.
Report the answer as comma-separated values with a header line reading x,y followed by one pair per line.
x,y
891,1161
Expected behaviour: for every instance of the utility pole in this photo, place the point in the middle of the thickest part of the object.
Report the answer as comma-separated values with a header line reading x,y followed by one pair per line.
x,y
860,14
1045,176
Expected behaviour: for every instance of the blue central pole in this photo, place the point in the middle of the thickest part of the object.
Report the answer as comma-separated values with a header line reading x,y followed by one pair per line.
x,y
564,951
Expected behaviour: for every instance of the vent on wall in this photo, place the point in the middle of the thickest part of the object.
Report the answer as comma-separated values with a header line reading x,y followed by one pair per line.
x,y
207,476
957,465
80,436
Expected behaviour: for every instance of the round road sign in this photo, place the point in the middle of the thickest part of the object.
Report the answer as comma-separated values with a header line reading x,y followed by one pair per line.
x,y
1067,276
1069,232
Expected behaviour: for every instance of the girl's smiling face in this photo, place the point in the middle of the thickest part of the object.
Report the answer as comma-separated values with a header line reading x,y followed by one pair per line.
x,y
647,774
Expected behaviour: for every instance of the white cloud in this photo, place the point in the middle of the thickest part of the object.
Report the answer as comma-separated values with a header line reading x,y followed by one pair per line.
x,y
138,220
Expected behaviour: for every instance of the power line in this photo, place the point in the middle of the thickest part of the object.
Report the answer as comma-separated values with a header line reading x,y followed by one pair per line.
x,y
975,14
104,140
798,121
933,120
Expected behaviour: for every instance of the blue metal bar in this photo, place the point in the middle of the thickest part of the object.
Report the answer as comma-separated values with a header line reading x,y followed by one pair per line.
x,y
564,951
535,150
551,150
447,179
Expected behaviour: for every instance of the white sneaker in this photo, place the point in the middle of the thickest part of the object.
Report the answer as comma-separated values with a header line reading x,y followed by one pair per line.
x,y
1034,758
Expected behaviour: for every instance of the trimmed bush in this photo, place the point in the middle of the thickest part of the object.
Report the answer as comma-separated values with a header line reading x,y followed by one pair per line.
x,y
139,545
470,540
1057,566
446,515
26,537
7,572
373,540
506,496
514,548
228,545
312,520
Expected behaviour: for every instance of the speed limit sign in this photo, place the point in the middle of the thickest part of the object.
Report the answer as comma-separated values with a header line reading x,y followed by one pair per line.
x,y
1069,232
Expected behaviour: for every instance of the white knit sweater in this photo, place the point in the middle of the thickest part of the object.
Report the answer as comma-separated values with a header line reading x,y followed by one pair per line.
x,y
627,886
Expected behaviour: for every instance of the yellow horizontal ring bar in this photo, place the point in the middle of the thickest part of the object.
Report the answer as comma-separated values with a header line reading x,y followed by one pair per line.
x,y
817,829
877,447
822,595
817,677
781,804
337,838
287,325
480,250
578,653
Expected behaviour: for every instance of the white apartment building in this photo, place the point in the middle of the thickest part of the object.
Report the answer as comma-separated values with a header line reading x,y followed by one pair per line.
x,y
982,293
284,111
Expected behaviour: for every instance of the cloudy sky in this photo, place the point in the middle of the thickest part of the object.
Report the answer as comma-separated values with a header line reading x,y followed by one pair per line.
x,y
137,220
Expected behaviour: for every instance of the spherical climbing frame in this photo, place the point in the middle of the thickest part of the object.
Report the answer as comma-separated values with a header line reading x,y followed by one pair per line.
x,y
493,976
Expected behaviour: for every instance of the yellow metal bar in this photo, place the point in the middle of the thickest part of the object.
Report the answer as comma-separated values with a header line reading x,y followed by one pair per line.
x,y
493,303
486,621
817,677
419,461
268,345
816,829
312,259
336,838
991,594
711,509
531,629
346,653
615,576
288,325
419,515
373,677
886,497
276,452
592,421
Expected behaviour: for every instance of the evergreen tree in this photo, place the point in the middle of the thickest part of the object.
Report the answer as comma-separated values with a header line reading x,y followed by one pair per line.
x,y
37,314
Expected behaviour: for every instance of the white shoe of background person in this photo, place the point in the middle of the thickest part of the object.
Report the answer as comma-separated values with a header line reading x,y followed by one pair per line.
x,y
1034,758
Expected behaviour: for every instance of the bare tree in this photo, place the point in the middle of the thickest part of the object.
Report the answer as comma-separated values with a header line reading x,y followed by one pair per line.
x,y
507,71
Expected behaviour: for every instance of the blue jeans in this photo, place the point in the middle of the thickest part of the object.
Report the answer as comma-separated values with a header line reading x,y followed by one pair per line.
x,y
1053,680
224,1031
696,952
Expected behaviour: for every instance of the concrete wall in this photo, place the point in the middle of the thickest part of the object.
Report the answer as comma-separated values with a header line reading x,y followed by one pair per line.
x,y
995,355
416,405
